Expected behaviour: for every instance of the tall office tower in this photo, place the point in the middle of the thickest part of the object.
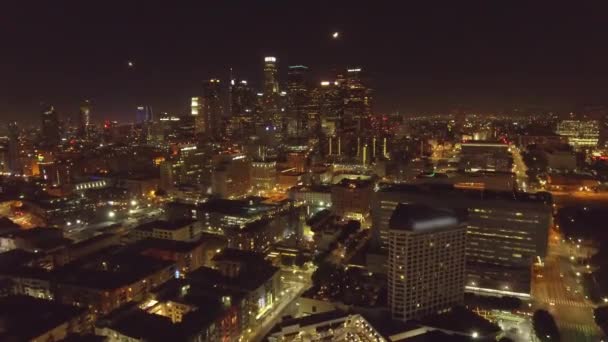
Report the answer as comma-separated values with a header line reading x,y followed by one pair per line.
x,y
506,231
357,102
298,100
426,261
212,109
50,133
272,114
242,109
84,119
327,107
196,110
271,78
14,165
143,114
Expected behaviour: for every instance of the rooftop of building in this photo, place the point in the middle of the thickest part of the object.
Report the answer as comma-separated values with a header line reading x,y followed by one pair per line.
x,y
15,258
165,245
422,218
24,318
484,143
254,270
462,320
8,226
355,183
164,225
241,207
312,188
449,190
141,325
109,268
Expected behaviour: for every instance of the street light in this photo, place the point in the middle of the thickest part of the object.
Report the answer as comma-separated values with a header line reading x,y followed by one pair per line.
x,y
111,214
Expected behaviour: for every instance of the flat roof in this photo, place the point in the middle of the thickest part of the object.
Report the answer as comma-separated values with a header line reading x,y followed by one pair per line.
x,y
422,218
445,190
24,317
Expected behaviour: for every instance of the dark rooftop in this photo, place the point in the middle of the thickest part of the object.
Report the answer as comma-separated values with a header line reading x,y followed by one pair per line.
x,y
420,217
24,317
164,244
165,225
448,190
110,268
355,183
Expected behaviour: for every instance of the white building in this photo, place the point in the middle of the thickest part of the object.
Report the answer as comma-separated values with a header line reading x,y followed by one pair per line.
x,y
426,261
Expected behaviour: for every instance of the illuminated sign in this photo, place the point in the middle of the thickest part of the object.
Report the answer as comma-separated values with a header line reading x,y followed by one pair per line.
x,y
270,59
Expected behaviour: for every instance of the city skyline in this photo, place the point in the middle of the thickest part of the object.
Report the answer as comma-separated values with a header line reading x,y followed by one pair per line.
x,y
419,58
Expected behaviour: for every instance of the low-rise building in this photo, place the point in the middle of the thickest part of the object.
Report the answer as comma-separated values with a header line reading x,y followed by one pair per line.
x,y
29,319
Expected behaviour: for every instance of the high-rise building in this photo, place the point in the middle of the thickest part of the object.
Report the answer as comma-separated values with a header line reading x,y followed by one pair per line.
x,y
327,107
212,109
271,78
357,102
272,111
298,100
196,110
506,231
143,114
84,119
50,133
14,164
426,261
242,109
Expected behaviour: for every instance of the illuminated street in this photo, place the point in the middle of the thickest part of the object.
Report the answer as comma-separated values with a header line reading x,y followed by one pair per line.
x,y
557,289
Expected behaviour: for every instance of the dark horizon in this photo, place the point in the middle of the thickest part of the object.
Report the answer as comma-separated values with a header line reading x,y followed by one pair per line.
x,y
418,57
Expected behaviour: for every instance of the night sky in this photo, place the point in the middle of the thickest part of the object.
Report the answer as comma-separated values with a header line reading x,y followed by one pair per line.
x,y
419,57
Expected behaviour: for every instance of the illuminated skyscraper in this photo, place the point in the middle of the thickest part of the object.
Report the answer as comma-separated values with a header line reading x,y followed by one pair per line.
x,y
242,109
85,118
273,115
298,100
196,110
143,114
271,79
50,133
357,102
212,108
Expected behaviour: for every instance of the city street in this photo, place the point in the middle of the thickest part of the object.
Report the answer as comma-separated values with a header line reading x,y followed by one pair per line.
x,y
519,168
557,289
293,287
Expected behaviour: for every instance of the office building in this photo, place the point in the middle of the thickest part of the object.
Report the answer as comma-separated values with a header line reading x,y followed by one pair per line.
x,y
357,102
50,132
231,176
328,107
14,164
298,100
506,231
581,134
351,198
212,109
272,112
242,109
271,77
84,119
426,261
485,156
143,115
196,110
263,175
